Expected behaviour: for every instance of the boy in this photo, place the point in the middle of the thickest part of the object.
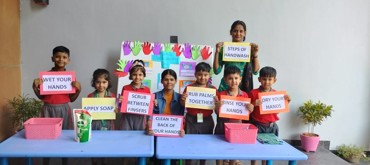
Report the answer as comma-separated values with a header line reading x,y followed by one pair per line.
x,y
57,105
264,122
232,79
199,121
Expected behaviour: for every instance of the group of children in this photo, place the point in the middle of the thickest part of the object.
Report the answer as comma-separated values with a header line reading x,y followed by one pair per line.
x,y
168,101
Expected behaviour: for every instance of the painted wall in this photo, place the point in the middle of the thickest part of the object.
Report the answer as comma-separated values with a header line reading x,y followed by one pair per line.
x,y
320,48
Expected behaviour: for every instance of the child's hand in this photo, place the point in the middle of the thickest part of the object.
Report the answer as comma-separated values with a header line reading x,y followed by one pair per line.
x,y
149,131
218,47
254,49
36,84
257,102
116,110
120,99
184,96
155,103
77,85
217,104
287,97
182,133
250,107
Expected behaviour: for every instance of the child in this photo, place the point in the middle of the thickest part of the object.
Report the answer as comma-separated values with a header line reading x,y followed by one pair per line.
x,y
198,121
57,105
137,74
102,83
265,122
167,101
232,78
238,32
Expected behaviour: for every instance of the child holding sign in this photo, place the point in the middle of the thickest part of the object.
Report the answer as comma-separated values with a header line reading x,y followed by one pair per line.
x,y
137,74
232,78
265,122
199,121
56,105
167,101
238,32
102,83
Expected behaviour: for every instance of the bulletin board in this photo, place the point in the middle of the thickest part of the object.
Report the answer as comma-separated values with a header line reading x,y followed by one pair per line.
x,y
158,57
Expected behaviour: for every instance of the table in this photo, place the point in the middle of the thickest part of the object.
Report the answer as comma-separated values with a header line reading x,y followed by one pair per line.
x,y
193,146
102,144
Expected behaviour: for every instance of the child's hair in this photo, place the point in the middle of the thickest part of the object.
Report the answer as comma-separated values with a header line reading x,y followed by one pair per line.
x,y
62,49
268,71
203,67
101,72
138,67
238,22
231,70
170,72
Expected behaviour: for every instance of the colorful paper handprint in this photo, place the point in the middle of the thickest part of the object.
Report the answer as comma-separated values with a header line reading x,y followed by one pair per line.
x,y
205,53
157,48
147,48
195,52
177,49
126,48
187,51
136,48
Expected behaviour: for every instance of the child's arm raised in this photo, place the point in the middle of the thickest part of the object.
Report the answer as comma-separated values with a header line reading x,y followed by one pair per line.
x,y
36,87
74,96
216,59
254,58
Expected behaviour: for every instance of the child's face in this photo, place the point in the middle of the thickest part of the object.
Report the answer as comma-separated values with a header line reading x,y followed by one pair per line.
x,y
202,77
137,77
266,82
238,33
233,80
168,82
101,84
60,59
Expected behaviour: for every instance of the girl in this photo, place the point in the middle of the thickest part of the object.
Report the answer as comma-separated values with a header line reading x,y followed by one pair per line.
x,y
238,32
167,101
102,83
137,74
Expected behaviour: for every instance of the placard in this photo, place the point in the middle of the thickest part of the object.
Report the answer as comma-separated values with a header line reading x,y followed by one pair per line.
x,y
273,102
167,125
137,103
236,51
100,108
234,107
202,98
57,82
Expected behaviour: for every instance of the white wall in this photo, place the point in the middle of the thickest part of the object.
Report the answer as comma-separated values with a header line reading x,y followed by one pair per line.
x,y
320,48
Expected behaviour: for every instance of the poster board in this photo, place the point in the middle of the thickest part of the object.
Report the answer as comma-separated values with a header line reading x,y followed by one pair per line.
x,y
161,56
